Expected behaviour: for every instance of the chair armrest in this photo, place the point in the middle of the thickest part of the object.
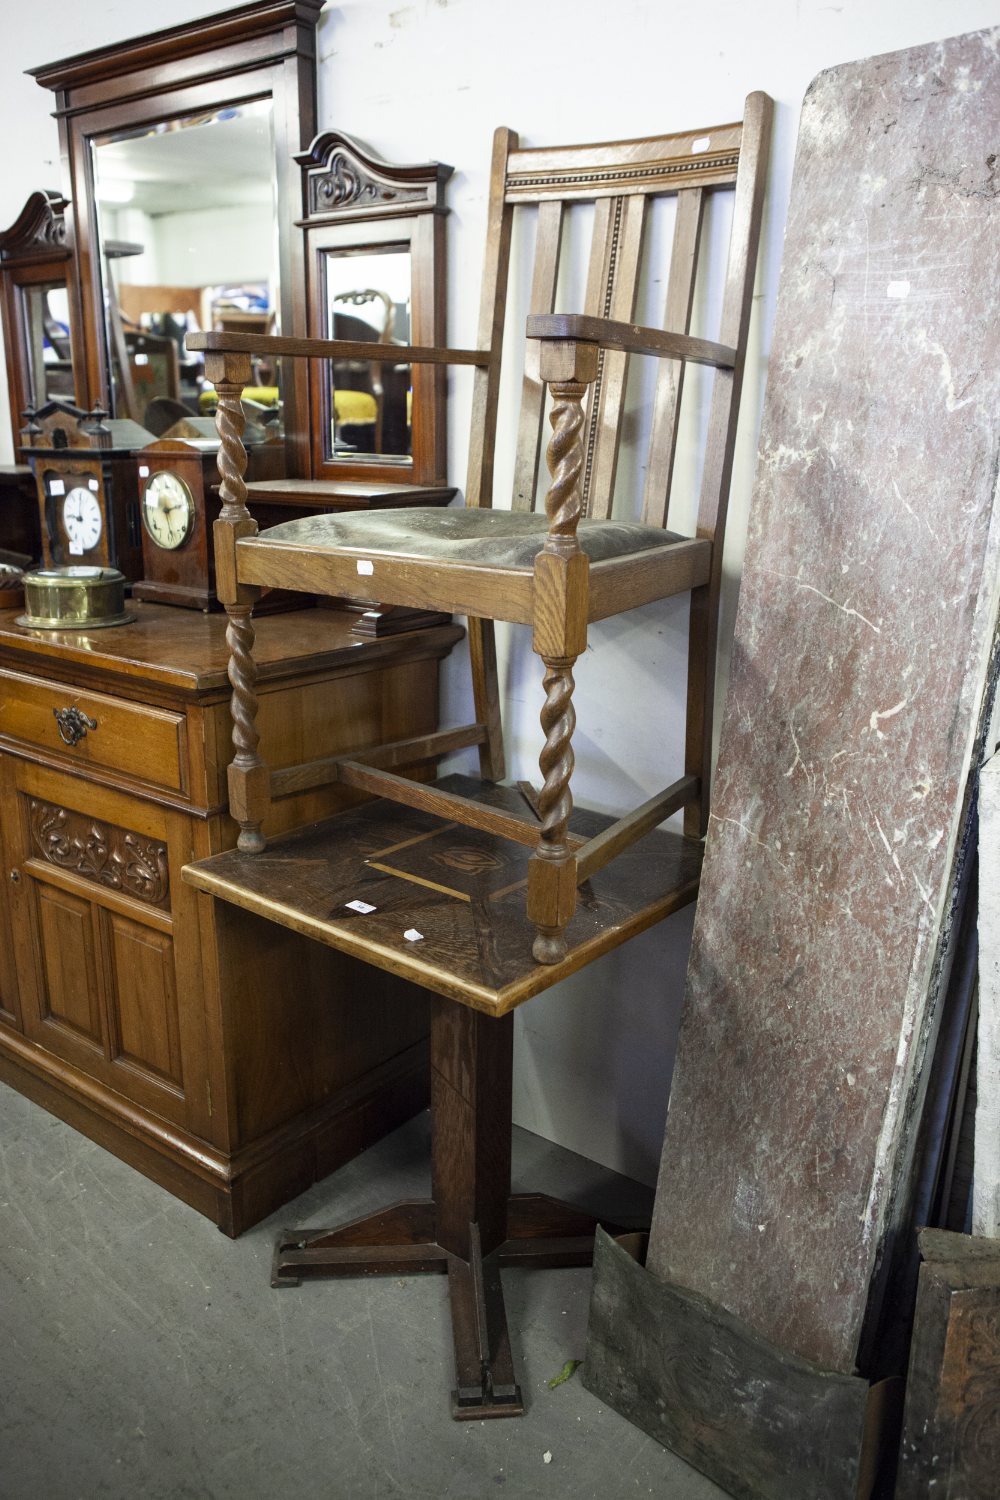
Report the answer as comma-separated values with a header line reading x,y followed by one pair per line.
x,y
629,337
260,343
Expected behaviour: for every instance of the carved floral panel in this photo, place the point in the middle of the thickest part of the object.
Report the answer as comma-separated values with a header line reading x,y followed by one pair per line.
x,y
111,856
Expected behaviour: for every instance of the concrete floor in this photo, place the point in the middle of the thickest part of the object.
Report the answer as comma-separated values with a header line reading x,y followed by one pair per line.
x,y
144,1354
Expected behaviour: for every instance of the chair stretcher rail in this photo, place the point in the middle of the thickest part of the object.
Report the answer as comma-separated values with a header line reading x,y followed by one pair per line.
x,y
314,773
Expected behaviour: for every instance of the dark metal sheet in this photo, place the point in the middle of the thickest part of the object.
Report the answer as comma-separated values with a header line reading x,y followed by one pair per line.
x,y
763,1424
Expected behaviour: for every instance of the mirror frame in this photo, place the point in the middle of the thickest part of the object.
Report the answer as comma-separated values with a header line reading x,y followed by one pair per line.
x,y
33,252
354,201
253,52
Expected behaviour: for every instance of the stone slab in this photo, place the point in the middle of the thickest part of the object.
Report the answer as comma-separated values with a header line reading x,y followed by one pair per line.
x,y
858,689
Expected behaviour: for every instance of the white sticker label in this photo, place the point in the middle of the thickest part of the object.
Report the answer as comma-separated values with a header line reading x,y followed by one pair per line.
x,y
365,568
93,484
361,906
56,487
898,289
412,935
76,549
701,144
144,471
142,359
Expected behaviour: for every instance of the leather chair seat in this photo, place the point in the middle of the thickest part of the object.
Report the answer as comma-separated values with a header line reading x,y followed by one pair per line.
x,y
492,538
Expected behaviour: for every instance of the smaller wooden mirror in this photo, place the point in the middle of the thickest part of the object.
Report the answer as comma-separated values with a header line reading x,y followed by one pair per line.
x,y
34,265
375,259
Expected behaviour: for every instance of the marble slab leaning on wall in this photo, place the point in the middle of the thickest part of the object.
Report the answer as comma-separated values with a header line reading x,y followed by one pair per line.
x,y
856,706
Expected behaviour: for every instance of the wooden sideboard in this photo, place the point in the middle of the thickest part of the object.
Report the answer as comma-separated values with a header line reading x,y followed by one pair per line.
x,y
230,1061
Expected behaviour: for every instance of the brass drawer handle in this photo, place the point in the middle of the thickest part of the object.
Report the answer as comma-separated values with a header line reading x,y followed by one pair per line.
x,y
73,724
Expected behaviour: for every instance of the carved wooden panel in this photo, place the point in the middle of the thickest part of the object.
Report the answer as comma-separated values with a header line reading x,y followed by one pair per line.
x,y
111,856
345,180
38,231
951,1431
70,990
142,1003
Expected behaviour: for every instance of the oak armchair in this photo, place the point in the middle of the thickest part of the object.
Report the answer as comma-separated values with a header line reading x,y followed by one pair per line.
x,y
559,571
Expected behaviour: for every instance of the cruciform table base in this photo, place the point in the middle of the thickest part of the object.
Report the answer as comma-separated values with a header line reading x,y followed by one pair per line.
x,y
471,1228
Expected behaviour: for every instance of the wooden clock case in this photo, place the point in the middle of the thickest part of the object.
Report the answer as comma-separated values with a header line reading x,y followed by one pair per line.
x,y
182,575
185,575
64,443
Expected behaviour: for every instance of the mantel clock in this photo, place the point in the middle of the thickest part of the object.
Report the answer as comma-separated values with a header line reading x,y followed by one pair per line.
x,y
85,483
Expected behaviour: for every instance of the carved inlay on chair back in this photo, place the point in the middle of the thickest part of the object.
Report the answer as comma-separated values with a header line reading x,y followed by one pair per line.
x,y
620,180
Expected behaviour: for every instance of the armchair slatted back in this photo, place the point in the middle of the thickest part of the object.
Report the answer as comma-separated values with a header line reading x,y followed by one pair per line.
x,y
621,180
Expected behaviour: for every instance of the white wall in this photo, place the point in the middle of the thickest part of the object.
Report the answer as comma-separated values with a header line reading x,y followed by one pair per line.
x,y
432,79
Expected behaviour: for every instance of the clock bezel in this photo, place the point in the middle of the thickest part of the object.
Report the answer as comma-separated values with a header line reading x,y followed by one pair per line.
x,y
192,509
92,496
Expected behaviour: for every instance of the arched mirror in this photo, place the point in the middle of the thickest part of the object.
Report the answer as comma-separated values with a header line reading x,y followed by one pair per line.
x,y
179,148
375,268
34,272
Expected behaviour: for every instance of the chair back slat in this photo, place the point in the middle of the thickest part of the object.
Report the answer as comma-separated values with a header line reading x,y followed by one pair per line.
x,y
611,293
670,379
543,298
492,307
619,179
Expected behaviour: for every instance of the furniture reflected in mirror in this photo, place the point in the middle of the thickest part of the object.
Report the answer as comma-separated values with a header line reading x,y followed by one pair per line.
x,y
181,143
473,891
375,267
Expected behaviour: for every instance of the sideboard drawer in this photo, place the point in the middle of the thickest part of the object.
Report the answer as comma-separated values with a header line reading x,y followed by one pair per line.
x,y
95,729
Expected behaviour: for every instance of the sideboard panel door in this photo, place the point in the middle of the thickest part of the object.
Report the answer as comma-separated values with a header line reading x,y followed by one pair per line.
x,y
70,998
142,1013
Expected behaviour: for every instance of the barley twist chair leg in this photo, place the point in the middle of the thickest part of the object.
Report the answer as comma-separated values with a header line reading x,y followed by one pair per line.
x,y
249,777
561,589
552,872
247,769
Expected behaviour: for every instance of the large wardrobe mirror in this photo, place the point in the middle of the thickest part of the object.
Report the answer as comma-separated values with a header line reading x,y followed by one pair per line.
x,y
180,153
187,240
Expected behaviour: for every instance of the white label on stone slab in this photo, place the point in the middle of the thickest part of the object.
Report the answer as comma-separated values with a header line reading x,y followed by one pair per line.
x,y
361,906
701,144
365,567
412,935
898,289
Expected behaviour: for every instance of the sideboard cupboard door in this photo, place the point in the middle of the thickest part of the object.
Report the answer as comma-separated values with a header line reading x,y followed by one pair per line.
x,y
93,934
10,1004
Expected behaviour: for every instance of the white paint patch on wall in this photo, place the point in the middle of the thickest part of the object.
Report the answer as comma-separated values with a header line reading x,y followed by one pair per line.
x,y
431,79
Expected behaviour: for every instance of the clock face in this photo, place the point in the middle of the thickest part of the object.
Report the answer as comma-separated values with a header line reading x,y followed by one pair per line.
x,y
167,510
82,519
